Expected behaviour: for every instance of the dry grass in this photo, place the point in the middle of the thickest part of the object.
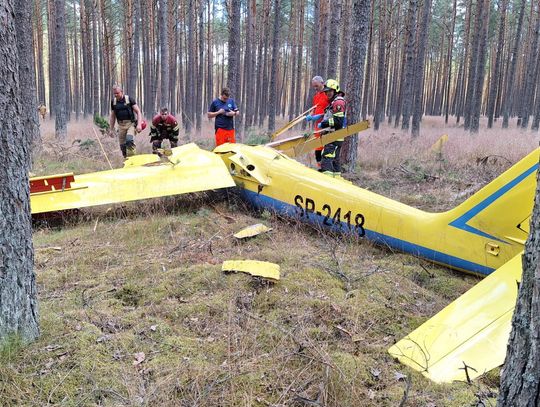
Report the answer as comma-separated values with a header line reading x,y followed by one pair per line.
x,y
145,278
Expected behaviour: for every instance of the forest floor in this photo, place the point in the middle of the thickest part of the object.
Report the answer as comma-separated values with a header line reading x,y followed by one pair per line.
x,y
136,311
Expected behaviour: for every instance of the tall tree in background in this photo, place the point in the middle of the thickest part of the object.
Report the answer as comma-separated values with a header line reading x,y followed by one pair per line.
x,y
418,83
18,303
27,74
480,70
361,16
520,378
494,85
531,75
60,68
408,83
272,103
333,39
381,67
233,63
164,53
509,94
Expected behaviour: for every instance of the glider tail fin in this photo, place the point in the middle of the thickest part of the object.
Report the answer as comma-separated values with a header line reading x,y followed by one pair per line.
x,y
502,209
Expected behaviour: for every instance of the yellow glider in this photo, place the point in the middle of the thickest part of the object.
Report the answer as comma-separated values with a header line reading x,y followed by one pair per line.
x,y
190,170
480,235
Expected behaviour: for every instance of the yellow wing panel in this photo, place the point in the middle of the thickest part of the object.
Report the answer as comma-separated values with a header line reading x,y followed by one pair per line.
x,y
471,331
190,170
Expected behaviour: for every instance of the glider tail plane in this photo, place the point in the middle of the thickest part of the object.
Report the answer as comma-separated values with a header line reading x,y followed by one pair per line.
x,y
502,209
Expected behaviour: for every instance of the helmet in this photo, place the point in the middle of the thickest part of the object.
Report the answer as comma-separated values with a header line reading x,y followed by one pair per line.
x,y
331,84
143,125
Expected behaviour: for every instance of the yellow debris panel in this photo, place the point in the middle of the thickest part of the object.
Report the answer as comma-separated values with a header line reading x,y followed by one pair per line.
x,y
255,268
190,170
438,145
252,230
472,331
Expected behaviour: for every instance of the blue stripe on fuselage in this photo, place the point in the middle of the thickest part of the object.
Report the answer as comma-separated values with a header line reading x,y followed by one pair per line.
x,y
283,208
461,222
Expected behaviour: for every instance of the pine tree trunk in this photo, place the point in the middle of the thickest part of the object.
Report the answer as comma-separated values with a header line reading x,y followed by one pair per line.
x,y
520,376
480,68
95,65
346,42
200,74
76,77
60,123
38,11
190,67
233,64
172,27
369,64
18,293
300,61
163,53
210,56
381,68
418,87
324,34
409,64
509,94
27,76
531,71
133,73
333,40
361,16
249,65
450,63
272,103
494,84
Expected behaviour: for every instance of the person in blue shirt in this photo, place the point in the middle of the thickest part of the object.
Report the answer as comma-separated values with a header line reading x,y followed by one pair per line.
x,y
224,110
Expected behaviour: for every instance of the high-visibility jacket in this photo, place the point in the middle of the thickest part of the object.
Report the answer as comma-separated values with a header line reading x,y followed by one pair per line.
x,y
321,102
334,115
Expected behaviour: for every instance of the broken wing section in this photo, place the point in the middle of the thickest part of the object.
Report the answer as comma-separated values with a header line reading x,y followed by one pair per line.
x,y
300,145
468,337
188,169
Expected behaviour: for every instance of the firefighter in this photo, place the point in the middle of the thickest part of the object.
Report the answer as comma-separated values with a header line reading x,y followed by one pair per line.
x,y
126,112
333,118
164,126
320,101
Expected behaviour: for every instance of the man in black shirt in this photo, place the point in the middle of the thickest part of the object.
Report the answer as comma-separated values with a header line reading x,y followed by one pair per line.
x,y
126,112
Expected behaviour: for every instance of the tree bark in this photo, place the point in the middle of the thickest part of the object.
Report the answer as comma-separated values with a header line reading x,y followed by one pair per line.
x,y
418,88
361,17
480,67
509,94
163,53
520,377
494,84
38,11
27,76
410,37
532,70
333,40
233,64
18,293
60,122
272,103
